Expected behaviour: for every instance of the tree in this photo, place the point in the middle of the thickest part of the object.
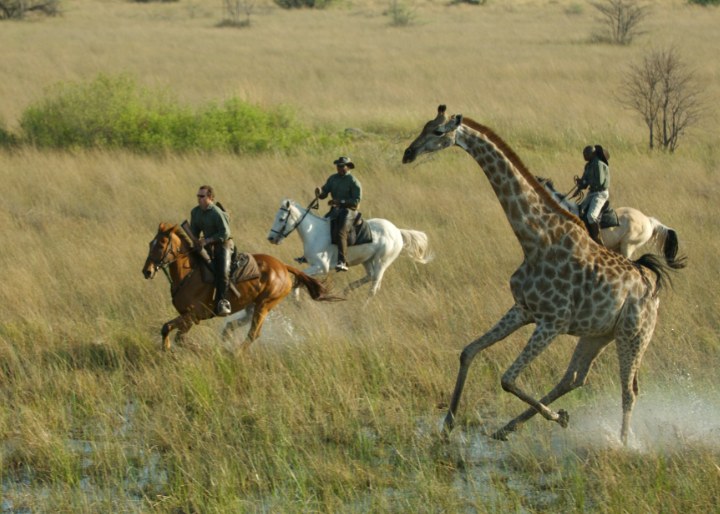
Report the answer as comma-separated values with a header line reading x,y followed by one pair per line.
x,y
622,19
17,9
663,90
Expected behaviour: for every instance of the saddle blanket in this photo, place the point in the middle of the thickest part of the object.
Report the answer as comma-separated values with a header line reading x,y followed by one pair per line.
x,y
359,235
243,267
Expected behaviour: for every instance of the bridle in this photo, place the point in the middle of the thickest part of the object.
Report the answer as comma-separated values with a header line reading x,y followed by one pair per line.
x,y
281,233
162,263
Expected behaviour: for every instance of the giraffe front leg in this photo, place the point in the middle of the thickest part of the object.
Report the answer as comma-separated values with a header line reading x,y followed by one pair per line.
x,y
513,320
585,354
542,336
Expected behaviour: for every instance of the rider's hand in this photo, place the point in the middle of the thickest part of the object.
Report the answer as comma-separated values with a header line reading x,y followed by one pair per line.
x,y
203,242
318,191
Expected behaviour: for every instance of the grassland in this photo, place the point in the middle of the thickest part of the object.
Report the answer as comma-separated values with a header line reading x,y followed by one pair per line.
x,y
336,408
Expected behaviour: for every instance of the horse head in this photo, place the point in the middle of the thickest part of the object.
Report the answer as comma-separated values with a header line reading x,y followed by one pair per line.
x,y
282,225
163,250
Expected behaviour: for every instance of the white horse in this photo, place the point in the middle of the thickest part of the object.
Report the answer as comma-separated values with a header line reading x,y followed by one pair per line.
x,y
635,228
314,231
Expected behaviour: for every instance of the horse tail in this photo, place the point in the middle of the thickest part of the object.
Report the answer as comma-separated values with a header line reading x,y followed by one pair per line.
x,y
667,239
416,244
318,291
658,267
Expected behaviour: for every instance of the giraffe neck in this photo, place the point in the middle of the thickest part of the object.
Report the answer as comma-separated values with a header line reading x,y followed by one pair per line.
x,y
537,223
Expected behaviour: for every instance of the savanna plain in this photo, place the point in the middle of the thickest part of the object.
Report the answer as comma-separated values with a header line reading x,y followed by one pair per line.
x,y
337,407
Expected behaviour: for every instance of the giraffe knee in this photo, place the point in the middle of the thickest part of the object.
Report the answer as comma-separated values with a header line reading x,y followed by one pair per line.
x,y
507,383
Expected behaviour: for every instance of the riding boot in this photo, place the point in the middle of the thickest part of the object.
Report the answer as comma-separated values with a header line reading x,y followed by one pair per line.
x,y
223,253
595,233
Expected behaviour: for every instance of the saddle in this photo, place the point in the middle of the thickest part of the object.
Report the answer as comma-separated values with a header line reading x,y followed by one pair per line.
x,y
359,234
243,267
608,216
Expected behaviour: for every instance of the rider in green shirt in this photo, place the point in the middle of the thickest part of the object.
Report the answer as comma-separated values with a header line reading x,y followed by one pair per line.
x,y
213,222
346,192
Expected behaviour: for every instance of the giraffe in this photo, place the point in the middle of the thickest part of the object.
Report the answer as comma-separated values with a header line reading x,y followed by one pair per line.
x,y
566,284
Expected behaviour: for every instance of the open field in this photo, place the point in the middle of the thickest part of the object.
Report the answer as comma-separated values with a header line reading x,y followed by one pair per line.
x,y
336,408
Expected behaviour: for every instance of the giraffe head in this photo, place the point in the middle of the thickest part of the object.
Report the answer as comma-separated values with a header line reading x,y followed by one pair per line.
x,y
436,135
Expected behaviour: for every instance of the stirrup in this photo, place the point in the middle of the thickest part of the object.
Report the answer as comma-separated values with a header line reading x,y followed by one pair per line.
x,y
341,266
300,260
223,308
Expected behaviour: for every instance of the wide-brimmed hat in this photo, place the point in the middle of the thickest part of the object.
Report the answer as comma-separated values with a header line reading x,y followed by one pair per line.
x,y
344,161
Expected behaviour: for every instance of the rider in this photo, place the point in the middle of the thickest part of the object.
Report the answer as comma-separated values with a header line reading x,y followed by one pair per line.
x,y
346,193
597,177
212,220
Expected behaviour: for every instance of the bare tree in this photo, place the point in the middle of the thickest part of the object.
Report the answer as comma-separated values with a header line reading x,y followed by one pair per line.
x,y
663,90
17,9
622,19
232,12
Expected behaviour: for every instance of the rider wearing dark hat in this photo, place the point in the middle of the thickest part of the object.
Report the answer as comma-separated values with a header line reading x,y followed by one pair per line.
x,y
597,178
346,193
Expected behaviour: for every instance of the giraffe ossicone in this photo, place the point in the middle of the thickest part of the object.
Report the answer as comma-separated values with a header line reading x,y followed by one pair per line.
x,y
566,284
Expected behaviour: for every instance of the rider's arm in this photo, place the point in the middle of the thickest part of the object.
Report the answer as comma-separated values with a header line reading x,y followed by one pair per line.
x,y
355,194
195,221
325,190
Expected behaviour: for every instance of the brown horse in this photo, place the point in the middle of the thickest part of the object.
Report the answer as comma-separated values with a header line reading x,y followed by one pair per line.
x,y
193,299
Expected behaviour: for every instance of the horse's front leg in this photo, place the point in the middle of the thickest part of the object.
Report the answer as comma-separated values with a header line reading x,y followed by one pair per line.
x,y
183,323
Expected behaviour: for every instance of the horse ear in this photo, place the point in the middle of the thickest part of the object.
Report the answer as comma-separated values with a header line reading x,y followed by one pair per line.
x,y
173,228
161,227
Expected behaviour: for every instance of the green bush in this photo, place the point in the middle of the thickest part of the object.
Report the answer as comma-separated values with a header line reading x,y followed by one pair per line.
x,y
705,2
7,138
299,4
112,111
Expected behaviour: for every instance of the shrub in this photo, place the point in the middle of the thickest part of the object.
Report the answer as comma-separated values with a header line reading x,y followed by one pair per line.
x,y
17,9
7,138
471,2
114,112
705,2
400,14
299,4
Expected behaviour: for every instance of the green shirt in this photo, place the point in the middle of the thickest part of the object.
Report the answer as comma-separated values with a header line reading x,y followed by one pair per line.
x,y
346,188
597,174
212,222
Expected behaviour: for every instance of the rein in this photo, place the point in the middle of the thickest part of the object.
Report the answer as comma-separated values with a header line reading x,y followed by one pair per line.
x,y
313,205
163,264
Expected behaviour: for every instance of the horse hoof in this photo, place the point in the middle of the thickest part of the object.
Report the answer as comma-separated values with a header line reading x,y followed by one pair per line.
x,y
563,418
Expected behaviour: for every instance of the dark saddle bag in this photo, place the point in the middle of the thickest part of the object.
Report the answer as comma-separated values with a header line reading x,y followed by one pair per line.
x,y
359,233
243,267
608,216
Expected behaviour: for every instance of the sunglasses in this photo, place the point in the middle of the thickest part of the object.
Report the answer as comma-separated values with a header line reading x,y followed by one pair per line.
x,y
201,196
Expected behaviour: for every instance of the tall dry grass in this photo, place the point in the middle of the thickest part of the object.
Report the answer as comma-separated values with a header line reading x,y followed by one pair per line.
x,y
336,408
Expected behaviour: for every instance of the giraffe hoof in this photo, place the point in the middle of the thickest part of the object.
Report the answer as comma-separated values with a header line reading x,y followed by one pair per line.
x,y
563,418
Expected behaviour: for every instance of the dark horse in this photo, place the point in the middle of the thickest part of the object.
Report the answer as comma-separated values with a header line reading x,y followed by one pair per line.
x,y
193,299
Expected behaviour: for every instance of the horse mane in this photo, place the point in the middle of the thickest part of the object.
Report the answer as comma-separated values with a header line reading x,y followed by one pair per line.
x,y
173,229
510,154
300,207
